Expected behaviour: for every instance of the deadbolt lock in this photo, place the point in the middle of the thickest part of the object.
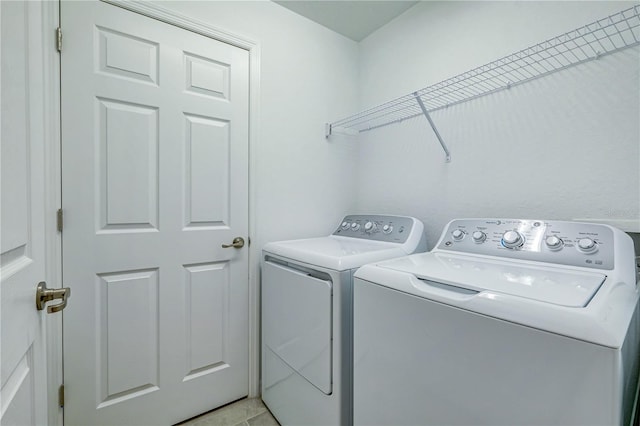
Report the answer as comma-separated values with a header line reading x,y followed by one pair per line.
x,y
44,295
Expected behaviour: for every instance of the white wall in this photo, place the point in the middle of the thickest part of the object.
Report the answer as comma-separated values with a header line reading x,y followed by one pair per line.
x,y
561,147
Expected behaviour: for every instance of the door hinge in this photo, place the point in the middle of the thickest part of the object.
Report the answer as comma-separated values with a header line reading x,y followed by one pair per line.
x,y
59,39
61,396
59,220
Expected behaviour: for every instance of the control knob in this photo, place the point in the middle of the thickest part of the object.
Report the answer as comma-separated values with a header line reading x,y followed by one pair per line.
x,y
479,236
587,245
370,227
553,242
458,235
387,229
512,239
345,225
355,226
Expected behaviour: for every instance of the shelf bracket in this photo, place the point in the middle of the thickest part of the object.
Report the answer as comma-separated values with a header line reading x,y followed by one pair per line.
x,y
433,126
330,129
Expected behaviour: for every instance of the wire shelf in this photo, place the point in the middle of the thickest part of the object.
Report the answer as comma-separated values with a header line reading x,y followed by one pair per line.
x,y
605,36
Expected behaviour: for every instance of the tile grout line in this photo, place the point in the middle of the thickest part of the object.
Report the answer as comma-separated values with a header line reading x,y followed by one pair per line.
x,y
261,412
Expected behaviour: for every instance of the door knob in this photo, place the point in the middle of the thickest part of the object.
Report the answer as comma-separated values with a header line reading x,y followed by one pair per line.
x,y
44,295
238,242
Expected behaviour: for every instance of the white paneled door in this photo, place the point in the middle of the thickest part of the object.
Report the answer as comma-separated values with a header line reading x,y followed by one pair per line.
x,y
154,182
22,236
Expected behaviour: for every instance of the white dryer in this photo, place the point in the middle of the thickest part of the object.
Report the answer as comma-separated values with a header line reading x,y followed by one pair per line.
x,y
505,322
307,314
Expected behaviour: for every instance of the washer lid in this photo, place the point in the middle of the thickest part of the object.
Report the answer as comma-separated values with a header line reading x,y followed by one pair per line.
x,y
335,252
557,286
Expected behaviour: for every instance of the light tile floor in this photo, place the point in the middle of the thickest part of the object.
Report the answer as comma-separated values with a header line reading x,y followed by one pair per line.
x,y
245,412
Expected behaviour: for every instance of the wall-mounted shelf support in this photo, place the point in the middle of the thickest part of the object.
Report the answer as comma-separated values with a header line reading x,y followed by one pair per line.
x,y
605,36
433,126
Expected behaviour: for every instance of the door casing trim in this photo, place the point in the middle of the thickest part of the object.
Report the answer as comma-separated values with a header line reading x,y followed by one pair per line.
x,y
53,184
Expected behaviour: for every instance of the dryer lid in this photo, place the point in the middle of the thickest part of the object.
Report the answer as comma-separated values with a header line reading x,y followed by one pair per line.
x,y
553,285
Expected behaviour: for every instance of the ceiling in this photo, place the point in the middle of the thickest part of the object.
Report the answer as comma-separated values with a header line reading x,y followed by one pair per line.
x,y
352,18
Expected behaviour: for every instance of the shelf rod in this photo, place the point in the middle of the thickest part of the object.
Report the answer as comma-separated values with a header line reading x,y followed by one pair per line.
x,y
433,126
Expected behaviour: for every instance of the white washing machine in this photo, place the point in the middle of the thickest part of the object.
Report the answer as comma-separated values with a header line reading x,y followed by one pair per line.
x,y
505,322
307,314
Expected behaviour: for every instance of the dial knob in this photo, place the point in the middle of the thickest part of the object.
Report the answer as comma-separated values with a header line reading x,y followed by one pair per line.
x,y
345,225
370,226
553,242
587,245
458,235
512,239
479,236
355,226
387,229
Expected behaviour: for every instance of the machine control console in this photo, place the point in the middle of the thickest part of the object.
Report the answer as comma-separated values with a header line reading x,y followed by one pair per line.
x,y
567,243
392,229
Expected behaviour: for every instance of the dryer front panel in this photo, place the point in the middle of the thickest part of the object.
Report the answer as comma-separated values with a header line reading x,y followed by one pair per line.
x,y
297,311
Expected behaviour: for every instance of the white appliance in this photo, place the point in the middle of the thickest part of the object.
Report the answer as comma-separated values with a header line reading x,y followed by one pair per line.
x,y
504,322
307,314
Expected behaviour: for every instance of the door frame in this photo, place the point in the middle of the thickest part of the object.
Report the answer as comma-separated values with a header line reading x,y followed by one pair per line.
x,y
54,181
49,62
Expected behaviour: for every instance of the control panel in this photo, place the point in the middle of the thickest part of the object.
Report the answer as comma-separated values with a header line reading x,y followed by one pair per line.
x,y
568,243
391,229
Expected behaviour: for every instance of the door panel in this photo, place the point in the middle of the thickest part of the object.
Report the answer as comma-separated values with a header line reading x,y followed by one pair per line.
x,y
128,152
127,298
207,288
22,242
155,180
206,172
